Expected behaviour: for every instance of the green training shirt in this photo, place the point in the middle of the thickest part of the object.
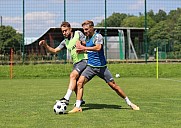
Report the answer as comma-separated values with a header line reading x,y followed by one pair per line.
x,y
71,46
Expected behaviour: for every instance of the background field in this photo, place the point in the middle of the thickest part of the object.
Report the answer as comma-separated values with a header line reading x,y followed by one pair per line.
x,y
166,70
40,78
27,103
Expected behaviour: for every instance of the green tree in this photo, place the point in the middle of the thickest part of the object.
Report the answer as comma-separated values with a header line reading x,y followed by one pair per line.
x,y
160,16
159,36
114,20
132,21
135,21
151,14
9,38
177,37
174,14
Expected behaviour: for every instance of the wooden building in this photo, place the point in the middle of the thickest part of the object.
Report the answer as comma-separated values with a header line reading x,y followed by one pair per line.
x,y
122,42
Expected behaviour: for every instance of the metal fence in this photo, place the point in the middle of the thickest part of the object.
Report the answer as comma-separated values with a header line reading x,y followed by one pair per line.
x,y
32,19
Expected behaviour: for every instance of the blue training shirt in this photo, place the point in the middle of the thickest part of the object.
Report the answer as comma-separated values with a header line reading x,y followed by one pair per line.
x,y
96,58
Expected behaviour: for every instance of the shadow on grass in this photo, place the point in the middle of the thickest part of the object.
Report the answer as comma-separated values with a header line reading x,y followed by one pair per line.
x,y
101,106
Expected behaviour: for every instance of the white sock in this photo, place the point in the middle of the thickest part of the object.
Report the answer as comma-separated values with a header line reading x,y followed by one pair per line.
x,y
68,94
78,102
128,101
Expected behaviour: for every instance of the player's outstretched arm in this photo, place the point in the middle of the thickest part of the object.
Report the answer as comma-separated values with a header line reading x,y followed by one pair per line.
x,y
50,49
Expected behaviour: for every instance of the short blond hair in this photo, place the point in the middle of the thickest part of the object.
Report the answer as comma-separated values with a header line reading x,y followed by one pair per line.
x,y
88,22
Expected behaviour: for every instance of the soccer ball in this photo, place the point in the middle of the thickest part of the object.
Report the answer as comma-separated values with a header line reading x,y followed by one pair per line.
x,y
59,107
117,75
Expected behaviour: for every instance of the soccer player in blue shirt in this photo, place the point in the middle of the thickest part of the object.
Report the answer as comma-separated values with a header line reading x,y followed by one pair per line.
x,y
96,65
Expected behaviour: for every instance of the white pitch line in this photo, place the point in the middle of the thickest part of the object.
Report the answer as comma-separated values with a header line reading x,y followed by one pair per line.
x,y
170,79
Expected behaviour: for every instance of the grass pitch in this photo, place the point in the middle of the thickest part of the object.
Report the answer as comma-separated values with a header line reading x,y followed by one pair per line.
x,y
28,103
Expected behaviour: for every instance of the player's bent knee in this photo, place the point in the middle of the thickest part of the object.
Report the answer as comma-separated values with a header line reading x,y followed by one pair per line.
x,y
73,76
79,84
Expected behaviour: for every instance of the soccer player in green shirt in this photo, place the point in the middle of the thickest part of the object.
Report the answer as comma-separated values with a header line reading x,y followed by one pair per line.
x,y
79,60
